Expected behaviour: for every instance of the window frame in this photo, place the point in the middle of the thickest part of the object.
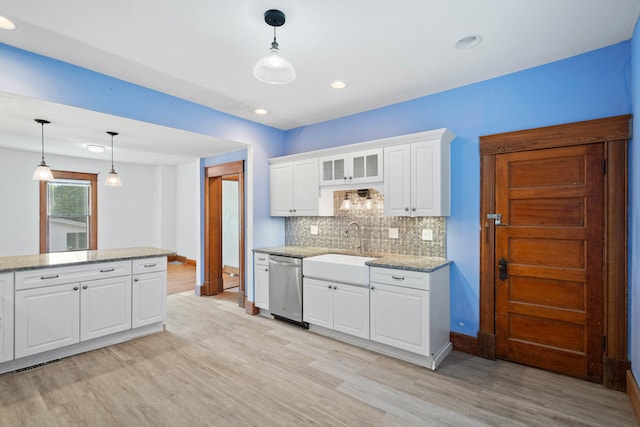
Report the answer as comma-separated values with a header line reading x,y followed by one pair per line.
x,y
44,224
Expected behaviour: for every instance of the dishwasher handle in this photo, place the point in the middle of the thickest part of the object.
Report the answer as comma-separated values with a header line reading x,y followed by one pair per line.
x,y
286,261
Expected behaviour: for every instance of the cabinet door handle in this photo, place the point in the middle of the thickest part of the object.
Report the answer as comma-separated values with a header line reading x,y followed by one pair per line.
x,y
373,288
75,288
136,279
329,286
266,269
85,286
397,277
107,270
406,209
53,276
149,265
413,209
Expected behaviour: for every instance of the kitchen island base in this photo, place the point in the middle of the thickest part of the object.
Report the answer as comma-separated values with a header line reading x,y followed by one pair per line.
x,y
81,347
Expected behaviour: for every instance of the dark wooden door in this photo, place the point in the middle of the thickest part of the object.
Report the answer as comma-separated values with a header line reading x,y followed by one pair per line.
x,y
549,307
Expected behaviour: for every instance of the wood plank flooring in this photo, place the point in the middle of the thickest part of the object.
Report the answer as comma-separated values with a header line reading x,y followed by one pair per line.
x,y
217,366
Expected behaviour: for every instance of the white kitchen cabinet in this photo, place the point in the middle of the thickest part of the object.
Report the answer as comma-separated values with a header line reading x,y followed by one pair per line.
x,y
410,310
46,318
105,307
417,179
6,317
360,167
149,291
294,188
336,306
261,280
55,308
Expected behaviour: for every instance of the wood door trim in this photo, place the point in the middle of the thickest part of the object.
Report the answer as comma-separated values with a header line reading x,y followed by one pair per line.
x,y
614,133
213,221
565,135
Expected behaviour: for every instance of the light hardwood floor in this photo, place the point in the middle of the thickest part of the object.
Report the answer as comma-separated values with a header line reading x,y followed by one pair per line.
x,y
217,366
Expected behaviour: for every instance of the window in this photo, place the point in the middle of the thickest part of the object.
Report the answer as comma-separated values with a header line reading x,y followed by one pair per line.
x,y
68,212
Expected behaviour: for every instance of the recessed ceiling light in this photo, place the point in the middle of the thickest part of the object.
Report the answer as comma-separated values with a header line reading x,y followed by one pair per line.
x,y
338,84
260,111
95,148
469,42
6,24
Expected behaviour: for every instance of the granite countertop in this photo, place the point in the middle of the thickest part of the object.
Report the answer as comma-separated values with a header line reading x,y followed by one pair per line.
x,y
398,261
60,259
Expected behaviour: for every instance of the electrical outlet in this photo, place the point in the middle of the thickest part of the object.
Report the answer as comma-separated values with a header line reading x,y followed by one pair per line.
x,y
314,229
393,233
427,234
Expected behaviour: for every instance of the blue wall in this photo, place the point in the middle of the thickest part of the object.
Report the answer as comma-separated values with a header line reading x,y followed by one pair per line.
x,y
588,86
592,85
634,213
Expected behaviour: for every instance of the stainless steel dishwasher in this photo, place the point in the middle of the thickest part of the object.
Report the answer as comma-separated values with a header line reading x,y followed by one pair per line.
x,y
285,288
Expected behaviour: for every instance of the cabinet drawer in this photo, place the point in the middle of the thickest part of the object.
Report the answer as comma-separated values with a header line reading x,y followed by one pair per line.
x,y
31,279
149,265
261,259
403,278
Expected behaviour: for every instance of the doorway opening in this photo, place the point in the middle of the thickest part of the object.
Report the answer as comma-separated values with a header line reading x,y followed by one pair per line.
x,y
224,263
553,267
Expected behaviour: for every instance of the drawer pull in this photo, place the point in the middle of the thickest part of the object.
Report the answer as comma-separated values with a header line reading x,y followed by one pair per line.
x,y
149,265
397,277
53,276
262,259
107,270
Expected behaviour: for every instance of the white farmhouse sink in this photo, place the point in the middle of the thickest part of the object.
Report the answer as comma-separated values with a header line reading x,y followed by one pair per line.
x,y
338,268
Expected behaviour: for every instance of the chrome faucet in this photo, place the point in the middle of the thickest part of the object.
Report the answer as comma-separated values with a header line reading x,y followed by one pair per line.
x,y
346,234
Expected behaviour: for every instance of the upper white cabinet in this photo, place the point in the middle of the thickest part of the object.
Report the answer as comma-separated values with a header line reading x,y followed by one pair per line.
x,y
417,179
294,188
359,167
6,317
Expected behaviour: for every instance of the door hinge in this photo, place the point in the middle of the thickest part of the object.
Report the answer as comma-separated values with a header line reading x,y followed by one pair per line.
x,y
604,166
604,343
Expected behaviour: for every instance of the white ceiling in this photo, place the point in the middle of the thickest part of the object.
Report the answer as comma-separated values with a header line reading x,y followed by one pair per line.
x,y
387,52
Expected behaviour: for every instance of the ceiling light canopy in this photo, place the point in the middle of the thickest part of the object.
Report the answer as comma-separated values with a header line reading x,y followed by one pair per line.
x,y
43,171
260,111
6,24
95,148
273,68
468,42
113,179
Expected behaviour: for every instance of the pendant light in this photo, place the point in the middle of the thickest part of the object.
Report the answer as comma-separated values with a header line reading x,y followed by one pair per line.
x,y
273,68
43,171
113,179
346,202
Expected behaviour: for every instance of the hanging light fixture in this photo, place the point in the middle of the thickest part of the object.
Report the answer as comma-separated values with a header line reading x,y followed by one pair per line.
x,y
113,179
43,171
346,202
273,68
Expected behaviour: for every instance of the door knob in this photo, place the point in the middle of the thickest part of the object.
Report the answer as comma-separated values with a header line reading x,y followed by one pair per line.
x,y
502,268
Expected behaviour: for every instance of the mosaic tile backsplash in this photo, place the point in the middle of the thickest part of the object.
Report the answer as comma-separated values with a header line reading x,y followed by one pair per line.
x,y
373,229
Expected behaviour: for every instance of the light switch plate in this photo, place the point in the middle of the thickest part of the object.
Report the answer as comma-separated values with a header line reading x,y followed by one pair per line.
x,y
427,234
314,229
393,233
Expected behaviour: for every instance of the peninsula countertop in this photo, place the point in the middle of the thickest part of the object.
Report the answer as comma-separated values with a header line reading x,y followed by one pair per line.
x,y
398,261
61,259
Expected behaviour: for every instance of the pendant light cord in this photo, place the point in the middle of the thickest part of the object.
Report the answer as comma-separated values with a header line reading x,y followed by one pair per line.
x,y
42,127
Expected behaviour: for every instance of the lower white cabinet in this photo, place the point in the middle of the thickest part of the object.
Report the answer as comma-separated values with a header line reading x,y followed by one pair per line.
x,y
6,317
105,307
410,310
337,306
46,318
149,291
399,317
261,280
